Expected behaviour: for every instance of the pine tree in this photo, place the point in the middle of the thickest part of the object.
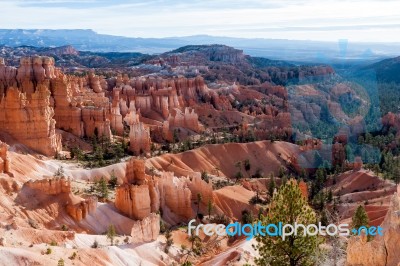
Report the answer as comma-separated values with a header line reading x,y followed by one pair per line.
x,y
288,206
113,182
111,233
271,185
102,188
199,199
210,207
360,217
60,262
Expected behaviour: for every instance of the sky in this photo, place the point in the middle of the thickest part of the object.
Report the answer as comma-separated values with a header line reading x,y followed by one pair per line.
x,y
324,20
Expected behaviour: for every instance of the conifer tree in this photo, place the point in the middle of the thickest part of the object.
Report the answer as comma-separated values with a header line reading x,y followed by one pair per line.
x,y
360,217
288,206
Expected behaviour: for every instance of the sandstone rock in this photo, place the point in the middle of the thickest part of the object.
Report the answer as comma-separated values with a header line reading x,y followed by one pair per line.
x,y
79,110
30,122
382,250
135,172
94,82
80,210
139,134
4,159
187,119
51,186
147,229
133,201
139,196
175,195
199,186
95,120
116,116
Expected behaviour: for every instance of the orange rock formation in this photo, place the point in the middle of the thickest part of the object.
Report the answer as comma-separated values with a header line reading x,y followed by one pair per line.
x,y
51,186
139,134
30,121
137,198
382,250
80,210
147,229
4,159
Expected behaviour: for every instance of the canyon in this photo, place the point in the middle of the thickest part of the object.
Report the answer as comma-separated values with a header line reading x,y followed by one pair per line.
x,y
142,144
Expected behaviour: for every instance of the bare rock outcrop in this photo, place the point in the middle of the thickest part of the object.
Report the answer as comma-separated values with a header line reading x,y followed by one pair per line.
x,y
76,207
133,200
135,172
139,134
139,196
30,121
187,119
116,115
146,230
175,196
80,210
4,159
51,186
199,186
70,96
7,76
382,250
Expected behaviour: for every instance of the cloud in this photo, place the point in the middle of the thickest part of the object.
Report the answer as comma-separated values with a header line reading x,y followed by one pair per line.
x,y
289,19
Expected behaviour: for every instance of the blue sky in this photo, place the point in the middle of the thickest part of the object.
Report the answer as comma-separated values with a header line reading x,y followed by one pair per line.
x,y
328,20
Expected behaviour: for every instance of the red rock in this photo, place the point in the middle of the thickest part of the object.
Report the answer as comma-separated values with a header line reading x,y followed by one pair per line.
x,y
382,250
80,210
175,196
51,186
139,134
133,201
147,229
30,122
4,159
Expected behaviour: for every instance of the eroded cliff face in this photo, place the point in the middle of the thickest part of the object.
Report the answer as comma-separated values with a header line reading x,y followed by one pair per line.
x,y
133,201
139,199
142,194
51,186
76,207
36,97
80,210
4,159
382,250
175,197
155,101
138,196
80,105
146,230
30,122
186,119
139,134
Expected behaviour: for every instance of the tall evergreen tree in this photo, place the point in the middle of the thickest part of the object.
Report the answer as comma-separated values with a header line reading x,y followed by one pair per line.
x,y
288,206
271,185
360,217
111,233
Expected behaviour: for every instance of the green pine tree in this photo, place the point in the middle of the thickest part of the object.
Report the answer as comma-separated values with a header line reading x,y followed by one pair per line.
x,y
60,262
271,185
102,188
288,206
360,217
111,233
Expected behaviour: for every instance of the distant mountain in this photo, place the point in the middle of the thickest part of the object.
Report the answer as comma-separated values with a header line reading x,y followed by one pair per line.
x,y
387,70
290,50
216,63
70,58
